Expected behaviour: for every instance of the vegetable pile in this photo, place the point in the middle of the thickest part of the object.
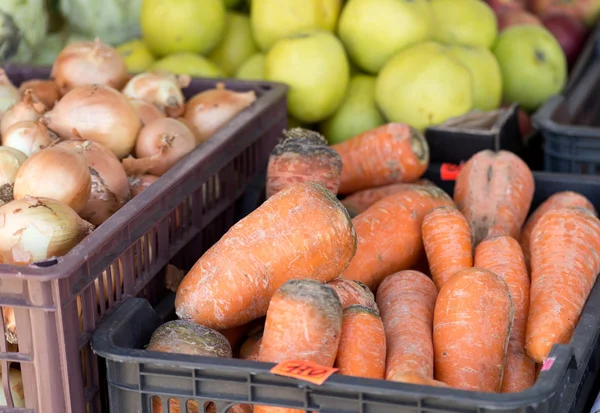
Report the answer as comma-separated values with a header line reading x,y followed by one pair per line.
x,y
418,287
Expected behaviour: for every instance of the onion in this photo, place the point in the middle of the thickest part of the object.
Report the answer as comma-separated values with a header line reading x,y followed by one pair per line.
x,y
45,91
26,109
100,114
35,229
162,89
10,162
138,183
110,185
211,109
16,389
160,145
10,324
28,137
56,172
147,111
89,63
9,94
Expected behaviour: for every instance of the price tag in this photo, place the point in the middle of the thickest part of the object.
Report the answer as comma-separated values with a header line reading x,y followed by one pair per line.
x,y
450,171
548,363
304,370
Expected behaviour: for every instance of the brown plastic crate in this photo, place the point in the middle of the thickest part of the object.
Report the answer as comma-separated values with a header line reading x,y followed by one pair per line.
x,y
57,306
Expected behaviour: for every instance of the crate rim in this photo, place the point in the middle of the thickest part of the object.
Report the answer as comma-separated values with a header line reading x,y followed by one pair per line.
x,y
543,119
200,157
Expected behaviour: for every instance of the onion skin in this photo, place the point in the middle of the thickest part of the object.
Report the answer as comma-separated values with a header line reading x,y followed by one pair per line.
x,y
88,63
36,229
210,110
28,137
10,162
160,145
9,94
98,113
58,173
139,183
160,88
147,111
26,109
45,91
110,184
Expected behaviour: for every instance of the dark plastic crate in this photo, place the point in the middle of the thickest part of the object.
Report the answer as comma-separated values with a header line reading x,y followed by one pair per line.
x,y
136,375
171,221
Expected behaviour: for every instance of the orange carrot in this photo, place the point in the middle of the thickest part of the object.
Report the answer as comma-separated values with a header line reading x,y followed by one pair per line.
x,y
250,344
494,192
422,266
447,241
388,154
303,156
300,232
237,335
414,378
502,255
406,301
351,292
359,201
254,351
557,200
361,352
471,328
389,234
565,261
304,322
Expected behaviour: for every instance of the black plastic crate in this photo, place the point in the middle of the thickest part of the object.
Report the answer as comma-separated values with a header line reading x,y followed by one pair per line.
x,y
136,375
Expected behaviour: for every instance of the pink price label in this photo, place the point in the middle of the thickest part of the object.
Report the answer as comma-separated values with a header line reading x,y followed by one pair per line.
x,y
548,363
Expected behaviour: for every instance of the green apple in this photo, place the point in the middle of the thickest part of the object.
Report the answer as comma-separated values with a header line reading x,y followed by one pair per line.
x,y
424,85
466,22
532,63
357,113
237,44
374,30
314,66
486,78
275,19
253,68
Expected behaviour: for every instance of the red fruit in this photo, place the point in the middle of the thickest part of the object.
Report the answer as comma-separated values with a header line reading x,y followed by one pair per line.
x,y
570,33
524,122
586,11
517,18
500,6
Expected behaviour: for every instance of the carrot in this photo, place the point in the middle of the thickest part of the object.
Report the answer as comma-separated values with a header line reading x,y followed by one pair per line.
x,y
502,255
406,301
250,344
447,241
494,192
237,335
254,351
389,234
359,201
414,378
557,200
300,232
388,154
304,322
422,266
471,327
565,244
361,352
303,156
351,292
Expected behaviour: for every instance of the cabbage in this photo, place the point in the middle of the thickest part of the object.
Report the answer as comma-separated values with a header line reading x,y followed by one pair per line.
x,y
114,21
30,18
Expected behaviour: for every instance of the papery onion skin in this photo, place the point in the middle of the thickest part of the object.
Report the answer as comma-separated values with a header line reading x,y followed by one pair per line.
x,y
137,184
45,91
28,137
10,162
161,88
26,109
160,145
210,110
147,111
98,113
58,173
110,184
9,94
87,63
35,229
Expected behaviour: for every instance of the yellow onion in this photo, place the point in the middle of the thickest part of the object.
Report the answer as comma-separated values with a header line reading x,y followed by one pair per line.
x,y
98,113
160,145
161,88
9,94
10,162
35,229
44,91
139,183
110,185
26,109
208,111
28,137
55,172
89,63
10,325
147,111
